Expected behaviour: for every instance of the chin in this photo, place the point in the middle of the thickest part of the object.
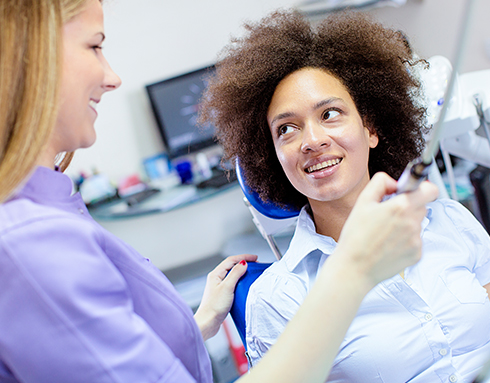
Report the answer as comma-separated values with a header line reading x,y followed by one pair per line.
x,y
86,145
87,142
327,195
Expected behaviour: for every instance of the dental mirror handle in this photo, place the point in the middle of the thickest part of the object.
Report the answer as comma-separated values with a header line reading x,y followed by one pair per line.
x,y
414,174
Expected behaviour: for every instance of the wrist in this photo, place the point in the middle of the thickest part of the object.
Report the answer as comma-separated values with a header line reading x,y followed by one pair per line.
x,y
345,266
206,323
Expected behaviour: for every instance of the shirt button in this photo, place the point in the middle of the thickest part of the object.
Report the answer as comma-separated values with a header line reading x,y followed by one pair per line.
x,y
428,317
81,211
453,378
443,352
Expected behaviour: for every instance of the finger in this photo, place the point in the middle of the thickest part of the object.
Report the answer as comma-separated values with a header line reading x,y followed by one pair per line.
x,y
381,184
226,265
417,199
426,192
231,261
235,274
246,257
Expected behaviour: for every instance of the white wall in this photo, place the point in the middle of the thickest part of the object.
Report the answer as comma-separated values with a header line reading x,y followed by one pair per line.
x,y
149,40
433,26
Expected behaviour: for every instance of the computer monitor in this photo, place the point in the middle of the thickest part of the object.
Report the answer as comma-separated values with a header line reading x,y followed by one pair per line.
x,y
175,104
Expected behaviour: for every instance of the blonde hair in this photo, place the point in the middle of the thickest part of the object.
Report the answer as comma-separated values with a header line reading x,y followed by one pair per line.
x,y
30,72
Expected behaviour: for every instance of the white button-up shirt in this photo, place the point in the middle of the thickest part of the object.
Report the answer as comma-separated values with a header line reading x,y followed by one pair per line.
x,y
432,326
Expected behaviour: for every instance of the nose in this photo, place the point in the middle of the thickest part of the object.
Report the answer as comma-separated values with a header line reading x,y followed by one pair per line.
x,y
314,138
111,80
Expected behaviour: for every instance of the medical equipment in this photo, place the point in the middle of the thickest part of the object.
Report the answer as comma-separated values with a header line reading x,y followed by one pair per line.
x,y
175,104
417,170
459,137
269,218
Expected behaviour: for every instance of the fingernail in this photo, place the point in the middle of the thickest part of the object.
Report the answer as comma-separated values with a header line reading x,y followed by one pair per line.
x,y
242,262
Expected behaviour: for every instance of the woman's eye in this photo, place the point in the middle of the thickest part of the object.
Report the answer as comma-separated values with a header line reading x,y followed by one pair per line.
x,y
285,129
329,114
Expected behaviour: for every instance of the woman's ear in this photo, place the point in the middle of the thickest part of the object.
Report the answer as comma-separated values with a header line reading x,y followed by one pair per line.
x,y
373,135
373,138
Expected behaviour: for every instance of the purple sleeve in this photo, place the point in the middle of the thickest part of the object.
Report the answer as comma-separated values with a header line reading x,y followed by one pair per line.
x,y
66,313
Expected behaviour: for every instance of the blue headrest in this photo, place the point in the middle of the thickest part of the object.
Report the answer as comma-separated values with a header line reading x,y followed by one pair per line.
x,y
237,311
268,209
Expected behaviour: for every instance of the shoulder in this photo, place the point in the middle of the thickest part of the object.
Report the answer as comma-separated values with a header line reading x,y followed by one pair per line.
x,y
272,302
447,206
36,239
277,292
22,213
277,279
452,226
450,211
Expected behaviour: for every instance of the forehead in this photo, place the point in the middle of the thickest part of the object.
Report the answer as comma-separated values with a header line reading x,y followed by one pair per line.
x,y
90,19
305,86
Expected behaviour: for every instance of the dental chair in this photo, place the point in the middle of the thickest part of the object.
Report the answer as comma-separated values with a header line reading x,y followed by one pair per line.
x,y
270,220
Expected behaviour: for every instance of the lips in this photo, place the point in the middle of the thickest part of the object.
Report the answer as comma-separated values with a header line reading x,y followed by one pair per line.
x,y
323,165
93,104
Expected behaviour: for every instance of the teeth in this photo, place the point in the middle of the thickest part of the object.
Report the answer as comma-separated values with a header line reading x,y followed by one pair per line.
x,y
323,165
93,104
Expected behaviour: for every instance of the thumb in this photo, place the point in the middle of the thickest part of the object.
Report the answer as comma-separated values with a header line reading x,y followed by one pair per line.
x,y
380,185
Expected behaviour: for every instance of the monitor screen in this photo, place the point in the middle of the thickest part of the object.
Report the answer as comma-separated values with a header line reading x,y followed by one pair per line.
x,y
175,103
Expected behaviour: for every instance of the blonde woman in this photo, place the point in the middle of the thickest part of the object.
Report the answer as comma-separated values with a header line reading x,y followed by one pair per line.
x,y
79,305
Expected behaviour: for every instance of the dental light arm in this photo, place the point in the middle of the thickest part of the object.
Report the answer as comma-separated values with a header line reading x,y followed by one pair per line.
x,y
417,170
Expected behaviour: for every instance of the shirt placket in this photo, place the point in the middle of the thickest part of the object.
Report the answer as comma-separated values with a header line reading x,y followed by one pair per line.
x,y
437,335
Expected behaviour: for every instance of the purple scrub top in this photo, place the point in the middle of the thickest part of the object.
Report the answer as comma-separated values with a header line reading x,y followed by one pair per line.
x,y
79,305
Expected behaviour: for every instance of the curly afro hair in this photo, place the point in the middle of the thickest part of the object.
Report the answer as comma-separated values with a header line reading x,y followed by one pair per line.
x,y
371,61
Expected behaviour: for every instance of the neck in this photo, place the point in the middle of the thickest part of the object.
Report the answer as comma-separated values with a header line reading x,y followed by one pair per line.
x,y
330,216
46,159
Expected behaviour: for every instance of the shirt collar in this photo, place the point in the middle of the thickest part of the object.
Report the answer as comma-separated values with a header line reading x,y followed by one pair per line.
x,y
51,188
306,240
47,185
427,218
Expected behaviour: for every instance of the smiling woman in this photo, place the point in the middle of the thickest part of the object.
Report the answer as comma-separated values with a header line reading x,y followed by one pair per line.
x,y
312,114
371,62
85,69
320,140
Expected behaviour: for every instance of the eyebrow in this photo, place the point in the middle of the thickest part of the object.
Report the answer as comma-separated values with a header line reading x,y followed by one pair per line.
x,y
281,116
318,105
328,101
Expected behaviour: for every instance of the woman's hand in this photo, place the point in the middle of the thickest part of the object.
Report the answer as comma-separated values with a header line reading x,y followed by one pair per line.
x,y
389,231
219,292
